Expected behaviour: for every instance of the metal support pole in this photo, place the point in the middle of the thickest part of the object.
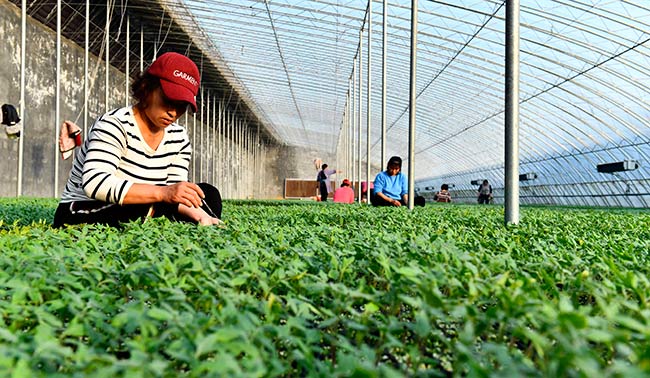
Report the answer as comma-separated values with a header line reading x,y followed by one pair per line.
x,y
57,111
241,158
354,124
86,60
369,93
214,139
383,82
412,102
108,62
512,114
360,108
346,134
260,163
127,70
220,145
23,47
142,49
194,147
206,155
202,146
351,131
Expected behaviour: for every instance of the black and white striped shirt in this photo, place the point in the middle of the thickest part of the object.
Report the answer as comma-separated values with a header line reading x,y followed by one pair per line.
x,y
115,156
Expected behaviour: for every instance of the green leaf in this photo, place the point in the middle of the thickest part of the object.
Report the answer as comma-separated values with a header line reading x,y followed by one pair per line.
x,y
160,314
6,335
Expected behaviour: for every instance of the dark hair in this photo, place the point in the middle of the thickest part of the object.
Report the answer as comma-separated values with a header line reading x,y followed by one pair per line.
x,y
485,182
143,85
444,187
323,166
394,160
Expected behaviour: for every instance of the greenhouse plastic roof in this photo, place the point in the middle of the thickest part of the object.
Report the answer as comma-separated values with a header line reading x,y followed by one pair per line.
x,y
584,81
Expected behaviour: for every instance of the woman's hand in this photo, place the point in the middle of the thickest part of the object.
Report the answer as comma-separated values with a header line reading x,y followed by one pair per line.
x,y
210,221
183,193
199,215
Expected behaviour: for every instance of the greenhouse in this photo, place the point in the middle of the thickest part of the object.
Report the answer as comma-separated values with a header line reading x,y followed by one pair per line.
x,y
547,100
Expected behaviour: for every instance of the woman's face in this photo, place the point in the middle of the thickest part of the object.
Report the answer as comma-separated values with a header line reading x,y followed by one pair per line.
x,y
162,111
393,169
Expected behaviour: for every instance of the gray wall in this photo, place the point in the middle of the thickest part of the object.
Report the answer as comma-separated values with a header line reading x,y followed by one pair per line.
x,y
39,122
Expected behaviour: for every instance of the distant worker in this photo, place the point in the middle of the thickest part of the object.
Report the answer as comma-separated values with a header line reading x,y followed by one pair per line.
x,y
485,193
364,190
323,179
391,188
443,195
344,194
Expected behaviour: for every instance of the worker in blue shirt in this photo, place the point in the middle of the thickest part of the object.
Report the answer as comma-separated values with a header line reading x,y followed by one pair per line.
x,y
391,188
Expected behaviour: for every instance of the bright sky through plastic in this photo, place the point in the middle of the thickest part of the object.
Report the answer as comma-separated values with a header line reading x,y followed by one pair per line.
x,y
584,79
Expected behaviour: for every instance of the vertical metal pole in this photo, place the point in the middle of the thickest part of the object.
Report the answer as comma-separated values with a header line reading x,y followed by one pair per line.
x,y
187,130
57,111
221,155
201,127
23,47
142,51
347,134
412,100
233,156
257,193
240,142
238,157
214,139
86,62
383,82
353,156
369,89
229,154
512,113
351,131
249,168
108,62
259,163
127,69
360,107
194,147
219,145
207,139
346,131
337,164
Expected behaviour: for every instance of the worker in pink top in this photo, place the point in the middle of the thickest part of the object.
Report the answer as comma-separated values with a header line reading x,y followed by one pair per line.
x,y
344,194
364,190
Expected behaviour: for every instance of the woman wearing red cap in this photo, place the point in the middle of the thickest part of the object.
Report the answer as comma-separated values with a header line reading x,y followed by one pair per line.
x,y
135,161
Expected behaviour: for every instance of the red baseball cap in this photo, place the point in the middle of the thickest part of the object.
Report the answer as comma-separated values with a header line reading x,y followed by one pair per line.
x,y
179,77
346,181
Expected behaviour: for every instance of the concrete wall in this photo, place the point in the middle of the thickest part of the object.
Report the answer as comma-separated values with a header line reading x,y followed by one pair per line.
x,y
38,119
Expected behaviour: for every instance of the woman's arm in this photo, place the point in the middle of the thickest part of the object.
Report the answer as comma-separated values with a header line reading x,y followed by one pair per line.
x,y
184,193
